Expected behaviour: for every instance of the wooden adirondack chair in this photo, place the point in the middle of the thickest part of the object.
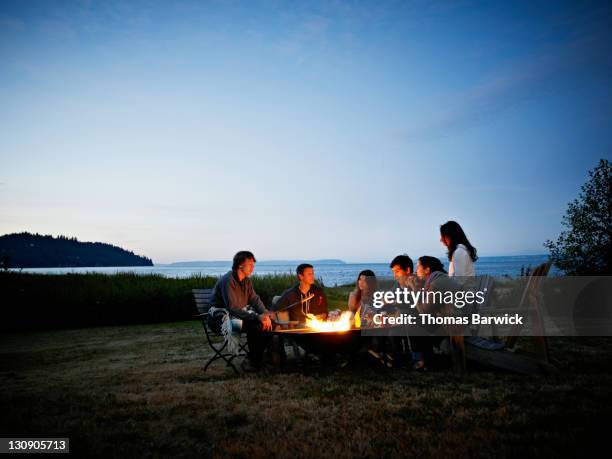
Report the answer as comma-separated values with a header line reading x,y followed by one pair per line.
x,y
531,303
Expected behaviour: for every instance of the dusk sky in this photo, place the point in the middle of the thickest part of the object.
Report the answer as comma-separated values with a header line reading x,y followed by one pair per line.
x,y
300,130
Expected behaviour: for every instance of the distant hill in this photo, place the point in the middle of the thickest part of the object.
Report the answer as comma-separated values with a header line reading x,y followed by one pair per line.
x,y
26,250
187,264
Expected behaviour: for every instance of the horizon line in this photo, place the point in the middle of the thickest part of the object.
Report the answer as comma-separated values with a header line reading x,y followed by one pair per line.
x,y
341,260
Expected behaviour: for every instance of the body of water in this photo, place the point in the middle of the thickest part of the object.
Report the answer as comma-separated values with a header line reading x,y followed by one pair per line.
x,y
331,273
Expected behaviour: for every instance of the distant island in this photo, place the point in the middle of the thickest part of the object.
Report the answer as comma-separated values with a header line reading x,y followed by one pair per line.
x,y
187,264
26,250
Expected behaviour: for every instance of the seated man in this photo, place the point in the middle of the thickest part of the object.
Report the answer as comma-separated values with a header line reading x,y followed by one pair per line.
x,y
402,268
234,291
317,305
405,277
403,271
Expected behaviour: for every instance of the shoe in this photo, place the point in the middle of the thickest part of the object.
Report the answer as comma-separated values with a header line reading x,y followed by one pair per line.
x,y
374,354
419,365
380,359
248,367
444,348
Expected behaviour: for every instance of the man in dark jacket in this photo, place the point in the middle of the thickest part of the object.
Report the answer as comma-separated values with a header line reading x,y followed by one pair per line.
x,y
306,297
234,292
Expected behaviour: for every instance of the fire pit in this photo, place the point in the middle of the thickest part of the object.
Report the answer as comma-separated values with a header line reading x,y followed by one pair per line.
x,y
324,342
325,337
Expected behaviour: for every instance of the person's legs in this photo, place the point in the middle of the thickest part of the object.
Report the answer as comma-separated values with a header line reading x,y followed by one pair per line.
x,y
257,339
396,350
422,349
421,345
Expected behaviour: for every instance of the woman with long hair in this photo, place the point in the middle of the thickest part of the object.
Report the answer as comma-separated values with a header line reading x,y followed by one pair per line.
x,y
361,304
461,253
360,299
432,275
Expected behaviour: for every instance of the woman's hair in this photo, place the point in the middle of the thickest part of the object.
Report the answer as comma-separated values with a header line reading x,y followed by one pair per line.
x,y
455,233
433,263
371,285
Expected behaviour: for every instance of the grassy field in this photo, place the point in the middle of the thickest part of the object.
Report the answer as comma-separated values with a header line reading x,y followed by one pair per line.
x,y
140,391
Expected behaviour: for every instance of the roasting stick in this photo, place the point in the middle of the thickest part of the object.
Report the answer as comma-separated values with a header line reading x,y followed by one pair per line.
x,y
306,306
303,300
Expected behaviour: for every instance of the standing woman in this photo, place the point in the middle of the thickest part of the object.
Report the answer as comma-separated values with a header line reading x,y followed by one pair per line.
x,y
461,253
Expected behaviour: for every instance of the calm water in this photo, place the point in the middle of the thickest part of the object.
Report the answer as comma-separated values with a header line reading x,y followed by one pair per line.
x,y
330,273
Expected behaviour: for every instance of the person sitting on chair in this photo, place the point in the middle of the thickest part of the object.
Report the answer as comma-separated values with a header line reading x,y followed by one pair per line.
x,y
431,272
361,299
402,268
234,292
306,297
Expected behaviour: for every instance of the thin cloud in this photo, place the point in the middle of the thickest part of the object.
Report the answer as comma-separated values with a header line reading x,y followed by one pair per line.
x,y
528,79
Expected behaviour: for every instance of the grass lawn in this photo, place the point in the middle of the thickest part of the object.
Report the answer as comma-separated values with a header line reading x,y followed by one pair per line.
x,y
140,391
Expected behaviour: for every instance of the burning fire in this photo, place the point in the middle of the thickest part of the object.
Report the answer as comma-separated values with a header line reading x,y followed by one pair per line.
x,y
342,323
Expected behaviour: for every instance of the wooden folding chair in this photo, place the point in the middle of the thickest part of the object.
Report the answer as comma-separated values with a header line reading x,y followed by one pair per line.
x,y
203,298
279,341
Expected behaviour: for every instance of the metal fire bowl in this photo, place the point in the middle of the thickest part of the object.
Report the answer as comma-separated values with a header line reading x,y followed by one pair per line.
x,y
324,342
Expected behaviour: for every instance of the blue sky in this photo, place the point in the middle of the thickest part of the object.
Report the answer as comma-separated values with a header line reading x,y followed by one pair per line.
x,y
189,130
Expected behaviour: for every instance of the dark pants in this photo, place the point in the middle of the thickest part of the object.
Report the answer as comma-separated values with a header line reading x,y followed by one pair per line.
x,y
395,345
257,339
424,345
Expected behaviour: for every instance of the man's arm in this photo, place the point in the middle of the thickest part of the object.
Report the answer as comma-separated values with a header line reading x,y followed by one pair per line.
x,y
264,316
282,302
254,299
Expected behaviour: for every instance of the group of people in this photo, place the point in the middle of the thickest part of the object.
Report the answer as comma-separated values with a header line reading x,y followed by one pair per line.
x,y
234,292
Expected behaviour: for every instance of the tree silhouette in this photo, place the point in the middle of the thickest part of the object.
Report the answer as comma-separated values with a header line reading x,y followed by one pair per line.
x,y
26,250
585,248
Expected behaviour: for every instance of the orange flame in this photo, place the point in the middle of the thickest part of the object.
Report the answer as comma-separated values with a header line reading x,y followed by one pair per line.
x,y
343,323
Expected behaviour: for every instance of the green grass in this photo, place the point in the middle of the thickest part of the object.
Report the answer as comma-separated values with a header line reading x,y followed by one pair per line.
x,y
140,391
42,301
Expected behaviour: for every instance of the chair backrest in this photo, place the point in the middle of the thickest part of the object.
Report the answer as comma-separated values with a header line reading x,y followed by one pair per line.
x,y
532,288
484,284
203,297
531,299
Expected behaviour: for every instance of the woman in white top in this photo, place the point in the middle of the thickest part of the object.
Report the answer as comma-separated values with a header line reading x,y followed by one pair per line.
x,y
461,253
